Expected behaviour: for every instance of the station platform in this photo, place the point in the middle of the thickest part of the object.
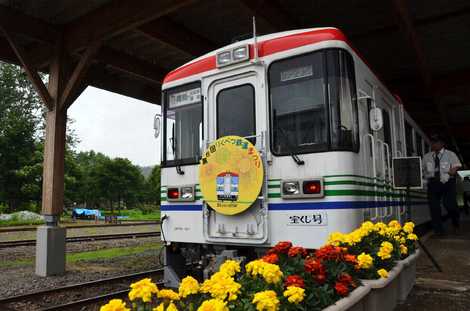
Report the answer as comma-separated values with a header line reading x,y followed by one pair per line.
x,y
448,290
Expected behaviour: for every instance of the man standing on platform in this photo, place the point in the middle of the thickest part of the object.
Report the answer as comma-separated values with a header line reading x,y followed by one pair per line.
x,y
441,166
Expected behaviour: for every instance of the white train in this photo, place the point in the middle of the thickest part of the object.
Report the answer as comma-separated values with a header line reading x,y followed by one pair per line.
x,y
303,98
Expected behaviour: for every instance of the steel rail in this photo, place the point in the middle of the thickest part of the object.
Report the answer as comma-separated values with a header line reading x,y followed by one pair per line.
x,y
34,228
36,295
87,238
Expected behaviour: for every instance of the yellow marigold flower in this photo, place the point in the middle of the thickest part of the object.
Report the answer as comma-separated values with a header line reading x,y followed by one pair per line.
x,y
171,307
380,226
221,286
365,261
143,289
266,301
161,307
385,251
412,237
394,224
188,286
367,226
230,267
336,238
294,294
409,227
272,274
383,273
168,294
403,249
255,267
115,305
213,305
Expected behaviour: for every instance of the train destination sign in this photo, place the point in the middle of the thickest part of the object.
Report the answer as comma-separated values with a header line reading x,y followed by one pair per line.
x,y
231,175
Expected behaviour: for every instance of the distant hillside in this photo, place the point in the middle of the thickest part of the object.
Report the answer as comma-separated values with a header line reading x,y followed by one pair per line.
x,y
146,170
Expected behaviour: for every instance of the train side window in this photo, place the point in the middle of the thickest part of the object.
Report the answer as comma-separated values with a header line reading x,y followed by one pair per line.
x,y
419,144
236,111
409,140
343,101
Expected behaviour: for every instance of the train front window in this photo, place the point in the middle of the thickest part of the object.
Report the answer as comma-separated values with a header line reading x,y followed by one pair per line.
x,y
298,105
236,111
182,125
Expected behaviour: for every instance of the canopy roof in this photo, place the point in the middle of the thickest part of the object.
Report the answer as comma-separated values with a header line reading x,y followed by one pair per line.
x,y
418,48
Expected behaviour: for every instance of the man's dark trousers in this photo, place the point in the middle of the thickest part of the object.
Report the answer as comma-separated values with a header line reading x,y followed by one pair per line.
x,y
447,192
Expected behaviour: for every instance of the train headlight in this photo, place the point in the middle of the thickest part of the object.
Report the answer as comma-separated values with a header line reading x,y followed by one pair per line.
x,y
224,58
181,193
187,193
233,56
240,54
302,188
291,187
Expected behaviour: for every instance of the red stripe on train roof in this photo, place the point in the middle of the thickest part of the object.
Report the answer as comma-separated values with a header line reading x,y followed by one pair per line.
x,y
265,48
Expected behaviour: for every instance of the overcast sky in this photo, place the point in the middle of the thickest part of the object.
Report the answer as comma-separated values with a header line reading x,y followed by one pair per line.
x,y
116,125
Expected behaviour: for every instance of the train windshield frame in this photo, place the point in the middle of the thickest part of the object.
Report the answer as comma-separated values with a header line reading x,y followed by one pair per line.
x,y
182,125
313,103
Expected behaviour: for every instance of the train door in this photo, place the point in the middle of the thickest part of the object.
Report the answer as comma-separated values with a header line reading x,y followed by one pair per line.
x,y
383,151
400,151
233,110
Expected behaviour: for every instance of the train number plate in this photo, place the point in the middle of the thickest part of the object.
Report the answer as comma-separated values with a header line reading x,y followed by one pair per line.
x,y
307,219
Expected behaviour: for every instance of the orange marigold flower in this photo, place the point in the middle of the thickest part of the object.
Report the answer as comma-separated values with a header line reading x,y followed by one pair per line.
x,y
345,278
341,289
283,247
270,258
320,278
350,258
294,280
312,265
329,252
297,250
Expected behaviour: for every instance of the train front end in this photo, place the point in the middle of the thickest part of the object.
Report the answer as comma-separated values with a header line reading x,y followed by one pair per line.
x,y
258,140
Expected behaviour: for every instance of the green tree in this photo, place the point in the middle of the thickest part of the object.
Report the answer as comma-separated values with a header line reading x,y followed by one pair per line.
x,y
153,186
20,131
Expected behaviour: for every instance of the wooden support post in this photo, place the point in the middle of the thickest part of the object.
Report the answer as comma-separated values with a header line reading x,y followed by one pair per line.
x,y
54,148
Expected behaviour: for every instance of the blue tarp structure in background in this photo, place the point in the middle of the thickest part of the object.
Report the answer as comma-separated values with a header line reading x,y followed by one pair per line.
x,y
84,212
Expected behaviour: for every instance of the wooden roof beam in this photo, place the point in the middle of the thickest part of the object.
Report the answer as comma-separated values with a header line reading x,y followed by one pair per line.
x,y
271,12
141,70
27,26
99,78
167,31
114,18
30,69
74,84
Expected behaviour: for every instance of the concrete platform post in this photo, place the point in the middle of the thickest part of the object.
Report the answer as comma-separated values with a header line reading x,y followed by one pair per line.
x,y
50,248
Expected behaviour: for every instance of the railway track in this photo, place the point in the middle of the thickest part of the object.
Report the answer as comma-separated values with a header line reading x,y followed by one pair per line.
x,y
87,238
78,296
127,224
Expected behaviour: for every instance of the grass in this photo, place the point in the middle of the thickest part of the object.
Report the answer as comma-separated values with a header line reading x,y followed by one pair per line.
x,y
101,254
18,222
136,214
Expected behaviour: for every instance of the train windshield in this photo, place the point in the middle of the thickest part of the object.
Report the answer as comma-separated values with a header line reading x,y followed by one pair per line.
x,y
182,125
313,103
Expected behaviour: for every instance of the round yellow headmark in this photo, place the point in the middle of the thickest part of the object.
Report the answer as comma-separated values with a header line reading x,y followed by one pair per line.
x,y
231,175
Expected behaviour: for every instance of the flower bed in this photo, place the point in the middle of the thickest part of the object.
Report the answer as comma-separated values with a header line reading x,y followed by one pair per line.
x,y
292,278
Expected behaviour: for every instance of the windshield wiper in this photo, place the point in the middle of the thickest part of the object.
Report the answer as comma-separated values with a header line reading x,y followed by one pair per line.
x,y
173,148
294,155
